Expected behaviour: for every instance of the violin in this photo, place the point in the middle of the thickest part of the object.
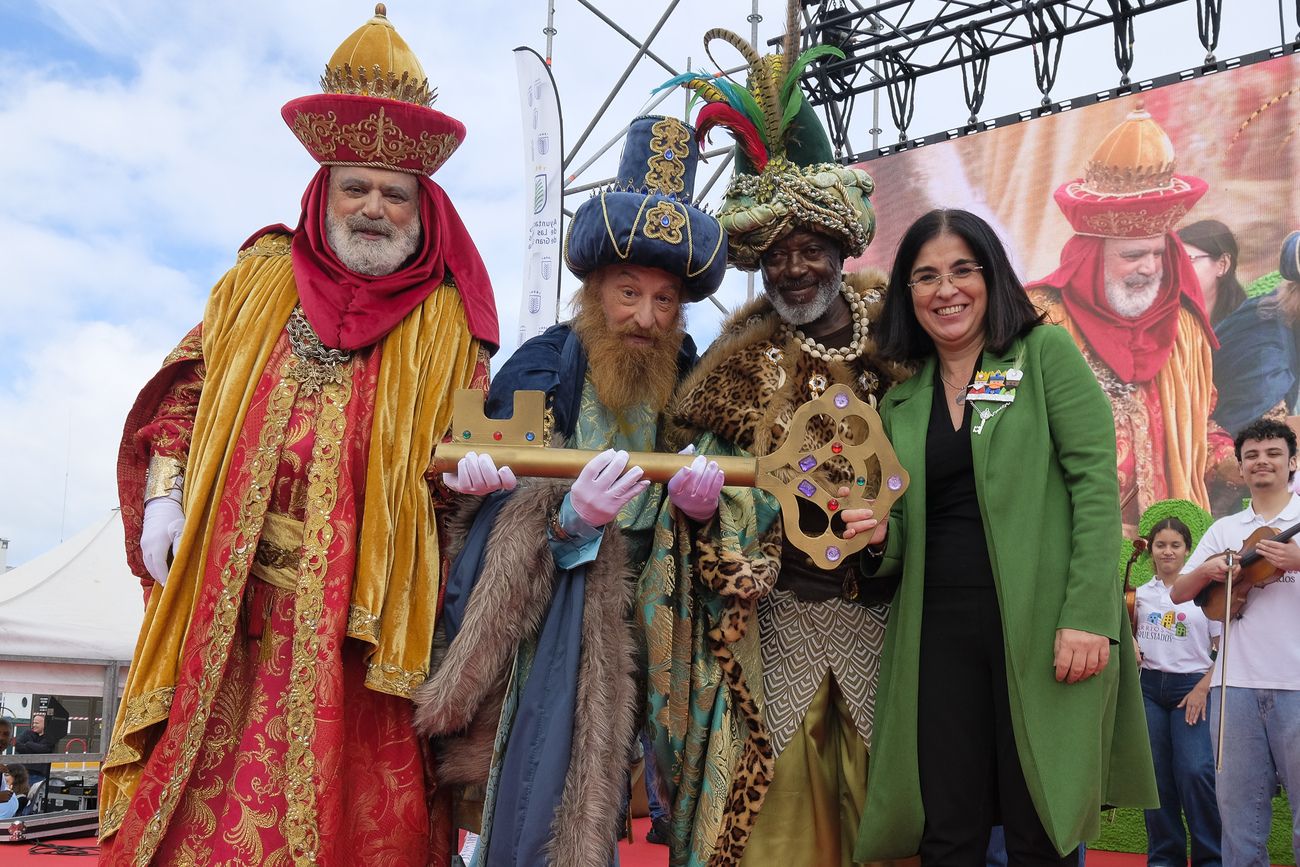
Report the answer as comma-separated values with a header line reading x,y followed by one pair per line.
x,y
1130,592
1255,572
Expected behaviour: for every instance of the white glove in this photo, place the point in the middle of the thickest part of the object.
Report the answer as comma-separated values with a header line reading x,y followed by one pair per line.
x,y
477,475
695,489
163,522
602,488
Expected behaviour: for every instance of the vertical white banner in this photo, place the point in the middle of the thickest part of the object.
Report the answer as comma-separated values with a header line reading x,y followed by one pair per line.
x,y
543,154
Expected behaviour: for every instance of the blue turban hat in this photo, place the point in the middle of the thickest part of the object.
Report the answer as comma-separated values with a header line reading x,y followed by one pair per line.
x,y
646,217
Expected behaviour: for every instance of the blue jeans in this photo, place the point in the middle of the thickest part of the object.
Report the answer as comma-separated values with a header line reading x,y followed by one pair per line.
x,y
1261,743
1184,765
653,790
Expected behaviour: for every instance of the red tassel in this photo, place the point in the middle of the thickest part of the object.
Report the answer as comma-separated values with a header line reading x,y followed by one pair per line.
x,y
747,136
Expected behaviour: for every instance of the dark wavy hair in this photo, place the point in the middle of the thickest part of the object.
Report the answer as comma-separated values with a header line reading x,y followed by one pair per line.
x,y
1217,239
1171,524
1009,313
1266,429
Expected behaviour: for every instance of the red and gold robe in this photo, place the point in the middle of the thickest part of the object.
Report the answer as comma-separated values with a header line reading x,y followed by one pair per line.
x,y
266,717
1167,445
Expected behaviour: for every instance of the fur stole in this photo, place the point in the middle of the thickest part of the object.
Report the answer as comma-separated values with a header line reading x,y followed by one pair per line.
x,y
460,703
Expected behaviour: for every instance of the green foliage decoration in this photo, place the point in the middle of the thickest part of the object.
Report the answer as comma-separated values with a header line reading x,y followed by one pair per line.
x,y
1197,520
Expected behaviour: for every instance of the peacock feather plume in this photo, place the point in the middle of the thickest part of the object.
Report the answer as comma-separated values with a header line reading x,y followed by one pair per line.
x,y
771,98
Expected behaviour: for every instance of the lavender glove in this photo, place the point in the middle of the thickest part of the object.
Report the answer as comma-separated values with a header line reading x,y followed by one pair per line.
x,y
163,522
602,488
477,475
695,489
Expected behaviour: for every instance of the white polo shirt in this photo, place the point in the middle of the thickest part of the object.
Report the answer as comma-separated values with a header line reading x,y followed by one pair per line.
x,y
1173,638
1263,645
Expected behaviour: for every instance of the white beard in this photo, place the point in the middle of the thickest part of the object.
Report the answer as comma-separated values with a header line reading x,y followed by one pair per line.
x,y
372,258
1130,297
811,311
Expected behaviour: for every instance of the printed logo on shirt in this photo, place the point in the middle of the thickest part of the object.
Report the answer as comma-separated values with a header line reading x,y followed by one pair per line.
x,y
1170,626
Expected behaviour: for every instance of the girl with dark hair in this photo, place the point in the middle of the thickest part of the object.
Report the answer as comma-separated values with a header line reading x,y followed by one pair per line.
x,y
1213,250
998,697
1173,644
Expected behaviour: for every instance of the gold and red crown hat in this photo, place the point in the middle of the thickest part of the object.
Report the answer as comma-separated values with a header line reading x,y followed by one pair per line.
x,y
376,108
1129,188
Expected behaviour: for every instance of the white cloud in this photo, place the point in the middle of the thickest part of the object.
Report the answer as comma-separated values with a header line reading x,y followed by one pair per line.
x,y
144,143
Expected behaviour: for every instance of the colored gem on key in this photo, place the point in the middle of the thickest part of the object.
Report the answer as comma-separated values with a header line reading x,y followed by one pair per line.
x,y
832,553
833,505
895,483
807,488
841,400
496,435
807,463
837,447
862,482
530,436
465,434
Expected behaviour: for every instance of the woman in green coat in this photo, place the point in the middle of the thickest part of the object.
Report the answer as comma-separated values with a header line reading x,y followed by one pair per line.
x,y
1006,695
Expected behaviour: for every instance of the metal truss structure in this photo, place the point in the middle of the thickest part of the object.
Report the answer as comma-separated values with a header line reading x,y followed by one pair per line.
x,y
898,46
895,45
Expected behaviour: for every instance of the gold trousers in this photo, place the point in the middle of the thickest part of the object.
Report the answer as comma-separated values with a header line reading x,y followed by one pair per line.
x,y
819,786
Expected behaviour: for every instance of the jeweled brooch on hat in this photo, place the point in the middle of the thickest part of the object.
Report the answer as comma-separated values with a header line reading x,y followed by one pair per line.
x,y
646,216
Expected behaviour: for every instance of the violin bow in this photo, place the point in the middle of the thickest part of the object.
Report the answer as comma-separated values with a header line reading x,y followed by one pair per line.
x,y
1231,558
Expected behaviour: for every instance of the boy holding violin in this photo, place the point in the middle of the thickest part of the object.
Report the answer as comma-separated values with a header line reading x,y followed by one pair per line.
x,y
1260,656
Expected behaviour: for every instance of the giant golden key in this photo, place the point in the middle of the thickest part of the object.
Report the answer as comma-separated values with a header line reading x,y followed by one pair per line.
x,y
835,441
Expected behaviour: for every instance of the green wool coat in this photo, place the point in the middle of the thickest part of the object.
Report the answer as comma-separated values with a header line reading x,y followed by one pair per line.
x,y
1049,496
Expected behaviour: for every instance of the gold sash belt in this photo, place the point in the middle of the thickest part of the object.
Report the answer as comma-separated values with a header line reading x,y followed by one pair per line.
x,y
278,551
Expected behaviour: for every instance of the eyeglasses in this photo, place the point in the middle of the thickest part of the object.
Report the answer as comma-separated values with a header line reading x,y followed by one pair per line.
x,y
959,276
1199,256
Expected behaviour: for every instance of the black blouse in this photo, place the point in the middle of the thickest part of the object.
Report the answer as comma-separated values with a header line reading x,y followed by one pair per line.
x,y
956,550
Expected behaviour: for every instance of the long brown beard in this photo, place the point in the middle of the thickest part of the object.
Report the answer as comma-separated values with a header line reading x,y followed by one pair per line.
x,y
624,375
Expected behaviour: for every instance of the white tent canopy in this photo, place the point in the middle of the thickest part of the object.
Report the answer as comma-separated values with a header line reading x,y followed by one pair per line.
x,y
69,613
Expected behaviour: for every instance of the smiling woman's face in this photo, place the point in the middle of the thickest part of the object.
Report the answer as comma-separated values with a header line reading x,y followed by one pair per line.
x,y
953,315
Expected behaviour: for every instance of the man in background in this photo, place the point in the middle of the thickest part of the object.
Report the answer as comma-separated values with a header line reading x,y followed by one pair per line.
x,y
1128,294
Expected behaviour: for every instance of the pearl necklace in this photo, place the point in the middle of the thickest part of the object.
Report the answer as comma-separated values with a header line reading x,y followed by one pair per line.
x,y
858,308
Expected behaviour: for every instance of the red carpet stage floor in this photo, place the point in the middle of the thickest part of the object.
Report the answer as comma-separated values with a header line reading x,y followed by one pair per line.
x,y
637,854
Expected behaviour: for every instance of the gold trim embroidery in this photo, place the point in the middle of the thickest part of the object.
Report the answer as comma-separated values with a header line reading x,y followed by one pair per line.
x,y
141,712
189,349
377,82
301,830
163,476
393,679
669,146
248,524
1143,223
363,624
375,139
113,817
270,244
664,222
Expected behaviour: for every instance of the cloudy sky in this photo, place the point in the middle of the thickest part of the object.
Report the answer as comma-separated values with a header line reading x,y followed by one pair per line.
x,y
144,143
